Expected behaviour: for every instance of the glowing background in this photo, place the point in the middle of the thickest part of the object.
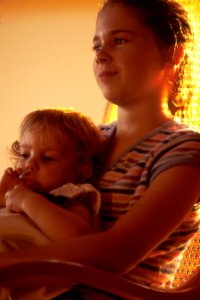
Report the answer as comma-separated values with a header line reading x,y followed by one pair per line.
x,y
45,60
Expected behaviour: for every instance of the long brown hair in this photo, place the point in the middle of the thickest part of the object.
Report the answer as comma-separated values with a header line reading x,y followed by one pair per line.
x,y
170,24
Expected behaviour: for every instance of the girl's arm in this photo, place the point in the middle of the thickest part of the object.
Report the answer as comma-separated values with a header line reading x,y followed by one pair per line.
x,y
56,223
162,208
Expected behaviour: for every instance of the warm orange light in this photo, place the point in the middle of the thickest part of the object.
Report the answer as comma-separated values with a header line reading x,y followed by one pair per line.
x,y
191,114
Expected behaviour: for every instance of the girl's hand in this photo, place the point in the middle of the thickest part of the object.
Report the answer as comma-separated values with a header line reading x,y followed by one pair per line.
x,y
9,179
14,198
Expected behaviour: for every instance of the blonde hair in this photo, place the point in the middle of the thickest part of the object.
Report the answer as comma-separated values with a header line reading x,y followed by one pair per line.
x,y
83,132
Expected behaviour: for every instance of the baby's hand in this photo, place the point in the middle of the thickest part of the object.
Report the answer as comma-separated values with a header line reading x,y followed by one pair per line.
x,y
15,198
9,179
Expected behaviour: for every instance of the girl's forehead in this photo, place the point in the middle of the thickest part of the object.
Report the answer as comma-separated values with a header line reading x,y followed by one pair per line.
x,y
120,10
117,17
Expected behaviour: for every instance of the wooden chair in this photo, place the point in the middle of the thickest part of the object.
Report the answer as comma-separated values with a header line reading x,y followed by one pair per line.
x,y
54,273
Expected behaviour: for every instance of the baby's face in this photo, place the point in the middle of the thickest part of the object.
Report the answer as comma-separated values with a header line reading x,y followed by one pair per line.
x,y
46,160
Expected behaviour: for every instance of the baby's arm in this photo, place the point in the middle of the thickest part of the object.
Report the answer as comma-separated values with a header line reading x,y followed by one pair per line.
x,y
55,222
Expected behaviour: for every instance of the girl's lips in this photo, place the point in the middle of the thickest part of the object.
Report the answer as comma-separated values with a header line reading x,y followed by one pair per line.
x,y
106,74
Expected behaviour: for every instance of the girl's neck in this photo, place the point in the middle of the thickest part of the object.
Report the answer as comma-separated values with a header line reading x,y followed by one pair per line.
x,y
137,122
143,114
131,127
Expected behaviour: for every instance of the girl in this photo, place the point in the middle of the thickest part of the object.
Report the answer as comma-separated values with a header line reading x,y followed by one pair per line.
x,y
151,183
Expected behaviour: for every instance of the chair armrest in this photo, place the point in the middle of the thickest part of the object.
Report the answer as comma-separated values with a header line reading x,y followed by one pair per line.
x,y
54,273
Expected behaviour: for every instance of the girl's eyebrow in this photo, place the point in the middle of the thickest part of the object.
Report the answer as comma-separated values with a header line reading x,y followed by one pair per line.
x,y
114,32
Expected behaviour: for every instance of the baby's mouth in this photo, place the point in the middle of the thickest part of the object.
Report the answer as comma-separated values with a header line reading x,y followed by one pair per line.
x,y
32,185
25,176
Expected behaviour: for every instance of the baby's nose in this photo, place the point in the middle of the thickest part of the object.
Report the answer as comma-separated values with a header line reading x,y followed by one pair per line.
x,y
30,165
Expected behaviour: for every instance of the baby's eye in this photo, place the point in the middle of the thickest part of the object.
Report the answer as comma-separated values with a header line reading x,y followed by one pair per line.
x,y
47,158
24,155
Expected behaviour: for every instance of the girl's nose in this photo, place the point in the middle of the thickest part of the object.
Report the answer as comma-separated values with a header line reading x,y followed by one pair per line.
x,y
102,56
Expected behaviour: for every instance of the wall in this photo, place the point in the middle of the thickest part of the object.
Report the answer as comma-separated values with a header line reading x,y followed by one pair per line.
x,y
45,60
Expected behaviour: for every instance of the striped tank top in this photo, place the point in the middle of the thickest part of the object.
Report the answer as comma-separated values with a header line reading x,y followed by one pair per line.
x,y
132,173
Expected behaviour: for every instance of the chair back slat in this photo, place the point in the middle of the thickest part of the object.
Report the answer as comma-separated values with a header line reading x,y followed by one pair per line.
x,y
190,261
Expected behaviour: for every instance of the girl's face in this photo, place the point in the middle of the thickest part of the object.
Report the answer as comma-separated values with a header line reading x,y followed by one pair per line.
x,y
47,160
128,63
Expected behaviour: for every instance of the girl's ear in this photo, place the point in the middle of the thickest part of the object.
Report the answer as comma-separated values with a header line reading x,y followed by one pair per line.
x,y
174,56
178,55
84,172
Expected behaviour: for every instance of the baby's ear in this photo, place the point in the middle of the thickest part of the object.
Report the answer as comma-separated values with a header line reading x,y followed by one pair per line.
x,y
84,172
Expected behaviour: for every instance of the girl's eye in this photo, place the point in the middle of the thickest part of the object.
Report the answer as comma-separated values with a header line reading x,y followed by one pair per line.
x,y
96,48
119,41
